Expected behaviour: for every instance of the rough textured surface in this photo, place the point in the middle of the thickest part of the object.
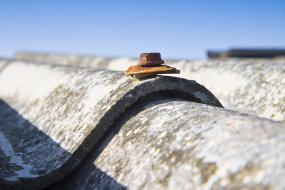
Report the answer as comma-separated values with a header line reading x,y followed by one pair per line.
x,y
168,144
254,86
51,116
249,86
140,134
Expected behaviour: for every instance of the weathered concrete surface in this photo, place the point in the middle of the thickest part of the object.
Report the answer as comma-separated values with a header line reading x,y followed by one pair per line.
x,y
254,86
168,144
249,86
52,116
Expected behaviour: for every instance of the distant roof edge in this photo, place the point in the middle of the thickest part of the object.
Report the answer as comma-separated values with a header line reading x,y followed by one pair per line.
x,y
247,53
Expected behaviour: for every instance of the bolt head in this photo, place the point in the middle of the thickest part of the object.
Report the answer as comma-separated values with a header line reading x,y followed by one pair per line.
x,y
150,59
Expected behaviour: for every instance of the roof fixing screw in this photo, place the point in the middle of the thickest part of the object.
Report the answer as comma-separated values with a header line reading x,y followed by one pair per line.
x,y
150,64
150,59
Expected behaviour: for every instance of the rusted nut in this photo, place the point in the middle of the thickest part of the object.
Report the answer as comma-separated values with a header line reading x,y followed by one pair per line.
x,y
150,59
150,65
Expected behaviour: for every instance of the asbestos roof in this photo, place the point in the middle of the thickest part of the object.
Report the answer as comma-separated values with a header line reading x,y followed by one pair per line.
x,y
253,86
76,122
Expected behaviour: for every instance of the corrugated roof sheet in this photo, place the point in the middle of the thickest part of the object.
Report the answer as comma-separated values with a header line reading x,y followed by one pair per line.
x,y
69,127
254,86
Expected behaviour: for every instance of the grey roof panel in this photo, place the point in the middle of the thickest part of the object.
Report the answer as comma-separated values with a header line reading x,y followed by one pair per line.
x,y
52,116
174,144
253,86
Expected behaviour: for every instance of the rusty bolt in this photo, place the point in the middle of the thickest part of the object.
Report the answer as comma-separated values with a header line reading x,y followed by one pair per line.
x,y
150,59
150,64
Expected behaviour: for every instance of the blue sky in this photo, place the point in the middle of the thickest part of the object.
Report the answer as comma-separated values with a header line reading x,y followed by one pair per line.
x,y
177,29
